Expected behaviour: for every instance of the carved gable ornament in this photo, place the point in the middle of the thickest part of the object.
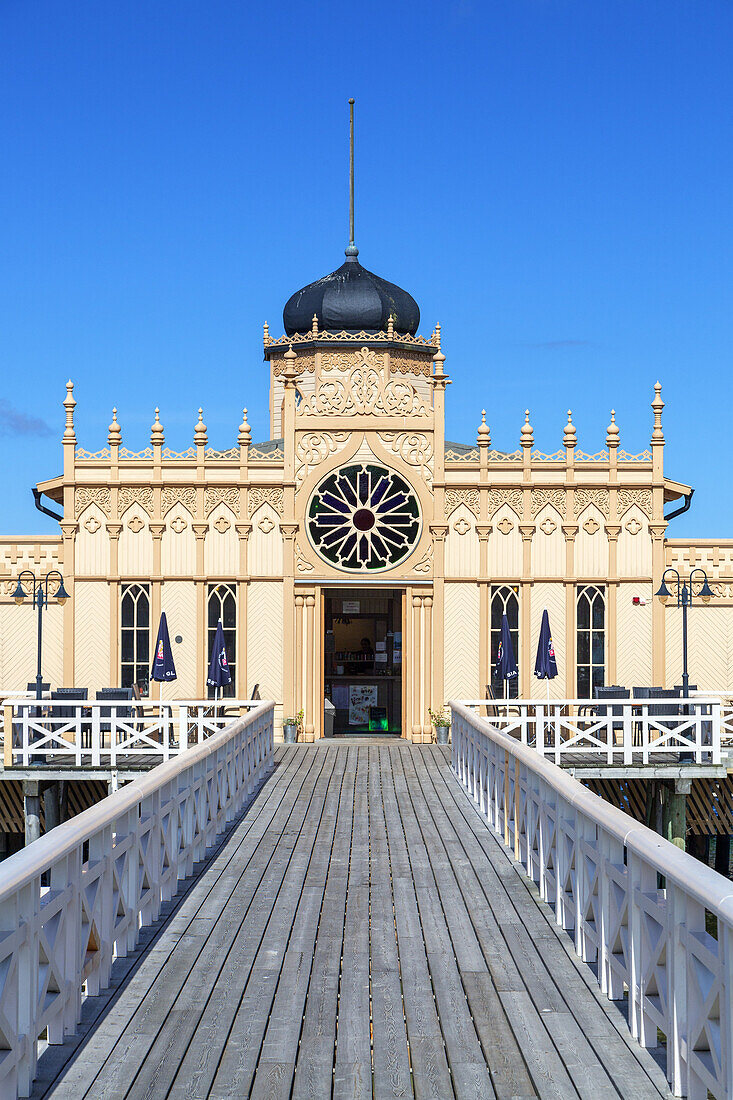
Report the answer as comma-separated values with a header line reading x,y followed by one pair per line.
x,y
134,494
365,390
179,495
272,495
98,495
456,497
641,497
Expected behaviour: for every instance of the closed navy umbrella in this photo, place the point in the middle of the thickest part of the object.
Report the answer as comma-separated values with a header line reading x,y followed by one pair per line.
x,y
163,668
545,667
219,674
506,665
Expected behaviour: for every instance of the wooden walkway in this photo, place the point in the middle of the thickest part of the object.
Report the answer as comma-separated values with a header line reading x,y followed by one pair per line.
x,y
361,933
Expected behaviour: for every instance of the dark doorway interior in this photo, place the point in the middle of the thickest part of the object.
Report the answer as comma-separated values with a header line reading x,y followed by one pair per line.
x,y
363,661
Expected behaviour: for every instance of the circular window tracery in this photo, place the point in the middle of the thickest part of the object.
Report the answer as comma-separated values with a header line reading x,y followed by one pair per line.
x,y
363,517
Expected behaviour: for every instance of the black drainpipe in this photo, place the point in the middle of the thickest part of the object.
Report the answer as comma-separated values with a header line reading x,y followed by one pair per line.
x,y
684,508
37,494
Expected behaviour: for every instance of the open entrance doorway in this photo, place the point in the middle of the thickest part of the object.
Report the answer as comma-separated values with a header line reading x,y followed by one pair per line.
x,y
363,661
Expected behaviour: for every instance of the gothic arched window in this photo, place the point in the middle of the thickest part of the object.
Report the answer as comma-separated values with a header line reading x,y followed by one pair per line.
x,y
504,598
591,640
363,518
223,605
135,636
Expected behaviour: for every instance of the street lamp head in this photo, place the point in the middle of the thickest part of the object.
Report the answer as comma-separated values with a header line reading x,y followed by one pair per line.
x,y
663,593
706,591
19,594
62,595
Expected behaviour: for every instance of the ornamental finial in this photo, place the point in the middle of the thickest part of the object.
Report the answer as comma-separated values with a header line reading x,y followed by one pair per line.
x,y
526,436
245,435
156,431
570,436
484,434
266,335
657,406
200,437
114,436
612,435
69,405
314,325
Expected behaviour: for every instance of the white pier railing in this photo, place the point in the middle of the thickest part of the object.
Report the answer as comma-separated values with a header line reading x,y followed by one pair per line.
x,y
74,900
110,733
615,731
600,871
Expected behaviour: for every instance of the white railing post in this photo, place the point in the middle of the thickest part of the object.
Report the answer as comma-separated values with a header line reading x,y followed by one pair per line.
x,y
715,709
628,734
96,734
539,729
182,728
24,716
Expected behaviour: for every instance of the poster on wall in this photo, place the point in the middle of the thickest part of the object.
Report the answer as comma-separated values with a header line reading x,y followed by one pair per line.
x,y
361,698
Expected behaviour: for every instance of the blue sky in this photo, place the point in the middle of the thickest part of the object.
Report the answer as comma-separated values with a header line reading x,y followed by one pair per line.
x,y
550,179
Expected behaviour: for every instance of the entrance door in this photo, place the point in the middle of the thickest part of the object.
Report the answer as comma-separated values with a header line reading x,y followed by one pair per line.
x,y
363,661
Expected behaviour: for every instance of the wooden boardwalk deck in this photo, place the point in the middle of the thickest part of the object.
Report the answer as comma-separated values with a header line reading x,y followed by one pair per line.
x,y
361,933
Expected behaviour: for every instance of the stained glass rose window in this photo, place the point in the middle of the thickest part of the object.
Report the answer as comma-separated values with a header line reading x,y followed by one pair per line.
x,y
363,517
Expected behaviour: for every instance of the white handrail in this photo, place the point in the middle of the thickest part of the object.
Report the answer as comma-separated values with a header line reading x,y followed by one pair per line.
x,y
110,732
599,869
615,731
65,915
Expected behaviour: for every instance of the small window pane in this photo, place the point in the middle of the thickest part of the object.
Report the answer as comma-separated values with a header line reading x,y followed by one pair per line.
x,y
583,612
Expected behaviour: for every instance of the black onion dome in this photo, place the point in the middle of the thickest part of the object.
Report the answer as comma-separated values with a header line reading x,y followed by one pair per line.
x,y
351,299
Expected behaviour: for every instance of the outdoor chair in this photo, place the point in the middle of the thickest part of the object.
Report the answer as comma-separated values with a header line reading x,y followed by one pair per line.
x,y
105,713
611,691
65,714
32,687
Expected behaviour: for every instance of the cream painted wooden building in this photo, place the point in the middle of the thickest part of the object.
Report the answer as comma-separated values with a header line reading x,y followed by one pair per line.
x,y
357,557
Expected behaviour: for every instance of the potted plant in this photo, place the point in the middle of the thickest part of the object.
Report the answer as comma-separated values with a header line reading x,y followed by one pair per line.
x,y
441,721
292,727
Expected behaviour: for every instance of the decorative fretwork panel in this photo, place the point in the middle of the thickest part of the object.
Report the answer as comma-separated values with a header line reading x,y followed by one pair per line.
x,y
469,497
366,389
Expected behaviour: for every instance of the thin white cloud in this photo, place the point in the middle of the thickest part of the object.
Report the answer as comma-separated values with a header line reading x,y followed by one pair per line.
x,y
15,422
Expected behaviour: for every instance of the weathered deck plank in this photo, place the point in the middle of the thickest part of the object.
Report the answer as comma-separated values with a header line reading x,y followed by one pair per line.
x,y
361,934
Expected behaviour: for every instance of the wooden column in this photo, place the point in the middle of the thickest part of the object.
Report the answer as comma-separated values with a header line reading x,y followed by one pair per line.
x,y
570,530
415,662
427,662
438,615
309,695
299,656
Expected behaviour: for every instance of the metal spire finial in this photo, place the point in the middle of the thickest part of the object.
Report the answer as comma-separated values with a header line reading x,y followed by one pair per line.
x,y
352,251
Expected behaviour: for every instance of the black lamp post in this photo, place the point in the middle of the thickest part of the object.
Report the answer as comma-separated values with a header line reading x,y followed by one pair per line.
x,y
40,600
685,594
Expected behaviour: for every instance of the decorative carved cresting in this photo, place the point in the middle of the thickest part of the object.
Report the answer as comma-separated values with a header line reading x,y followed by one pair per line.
x,y
179,494
541,497
306,362
455,497
366,389
641,497
98,495
134,494
584,497
216,495
512,497
414,448
313,448
467,456
257,454
271,495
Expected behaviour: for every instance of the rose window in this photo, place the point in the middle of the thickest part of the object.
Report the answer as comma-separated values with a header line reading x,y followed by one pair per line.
x,y
364,517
